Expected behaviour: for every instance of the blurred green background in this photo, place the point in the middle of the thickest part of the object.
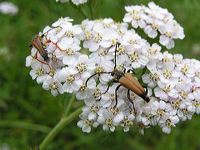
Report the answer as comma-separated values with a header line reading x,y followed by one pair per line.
x,y
23,100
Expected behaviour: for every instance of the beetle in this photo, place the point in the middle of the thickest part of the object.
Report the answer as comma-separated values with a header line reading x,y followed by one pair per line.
x,y
40,46
125,79
37,43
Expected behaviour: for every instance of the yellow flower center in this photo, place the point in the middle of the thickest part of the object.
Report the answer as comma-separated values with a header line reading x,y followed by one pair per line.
x,y
70,78
109,122
81,67
167,74
134,56
39,71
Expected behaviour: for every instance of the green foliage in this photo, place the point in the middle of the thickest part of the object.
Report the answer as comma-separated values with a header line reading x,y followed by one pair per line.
x,y
22,99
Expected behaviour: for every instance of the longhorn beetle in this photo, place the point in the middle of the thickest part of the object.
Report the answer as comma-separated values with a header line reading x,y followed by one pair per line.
x,y
126,79
37,43
40,46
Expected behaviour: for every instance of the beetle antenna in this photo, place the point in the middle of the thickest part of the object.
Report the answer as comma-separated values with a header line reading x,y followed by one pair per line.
x,y
90,78
94,75
116,47
106,90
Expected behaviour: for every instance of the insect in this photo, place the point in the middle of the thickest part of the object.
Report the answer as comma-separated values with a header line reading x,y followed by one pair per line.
x,y
127,80
37,43
40,46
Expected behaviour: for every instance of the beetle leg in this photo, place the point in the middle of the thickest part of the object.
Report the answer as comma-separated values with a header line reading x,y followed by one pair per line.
x,y
57,46
35,56
129,98
106,90
45,63
124,70
131,70
98,99
146,90
50,30
117,88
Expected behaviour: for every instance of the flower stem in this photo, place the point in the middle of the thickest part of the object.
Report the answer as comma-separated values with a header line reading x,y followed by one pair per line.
x,y
66,112
24,125
91,11
60,125
79,9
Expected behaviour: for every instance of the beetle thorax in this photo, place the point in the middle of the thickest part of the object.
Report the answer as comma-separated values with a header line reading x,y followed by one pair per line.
x,y
117,74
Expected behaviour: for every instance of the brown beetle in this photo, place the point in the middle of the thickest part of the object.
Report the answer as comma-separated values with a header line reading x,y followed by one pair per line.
x,y
127,80
37,43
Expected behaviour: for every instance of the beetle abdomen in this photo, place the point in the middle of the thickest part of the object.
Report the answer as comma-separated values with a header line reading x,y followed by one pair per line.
x,y
129,82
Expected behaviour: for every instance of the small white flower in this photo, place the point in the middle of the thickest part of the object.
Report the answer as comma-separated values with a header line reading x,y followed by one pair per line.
x,y
135,15
52,83
109,98
8,8
69,54
167,122
185,112
39,72
75,2
71,82
171,30
86,91
152,28
85,123
78,2
186,68
165,91
109,119
151,78
196,101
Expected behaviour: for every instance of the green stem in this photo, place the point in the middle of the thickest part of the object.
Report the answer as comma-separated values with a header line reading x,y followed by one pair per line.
x,y
24,125
79,9
144,70
91,11
124,2
66,112
60,125
82,11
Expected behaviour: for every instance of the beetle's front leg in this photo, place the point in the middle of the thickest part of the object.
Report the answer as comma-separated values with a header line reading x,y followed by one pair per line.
x,y
129,98
117,88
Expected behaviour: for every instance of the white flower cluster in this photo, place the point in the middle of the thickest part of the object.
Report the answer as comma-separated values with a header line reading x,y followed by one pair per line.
x,y
153,20
75,2
81,59
174,91
8,8
62,43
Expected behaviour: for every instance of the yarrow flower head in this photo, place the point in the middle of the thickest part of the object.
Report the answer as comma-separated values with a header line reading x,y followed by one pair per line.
x,y
93,59
155,20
